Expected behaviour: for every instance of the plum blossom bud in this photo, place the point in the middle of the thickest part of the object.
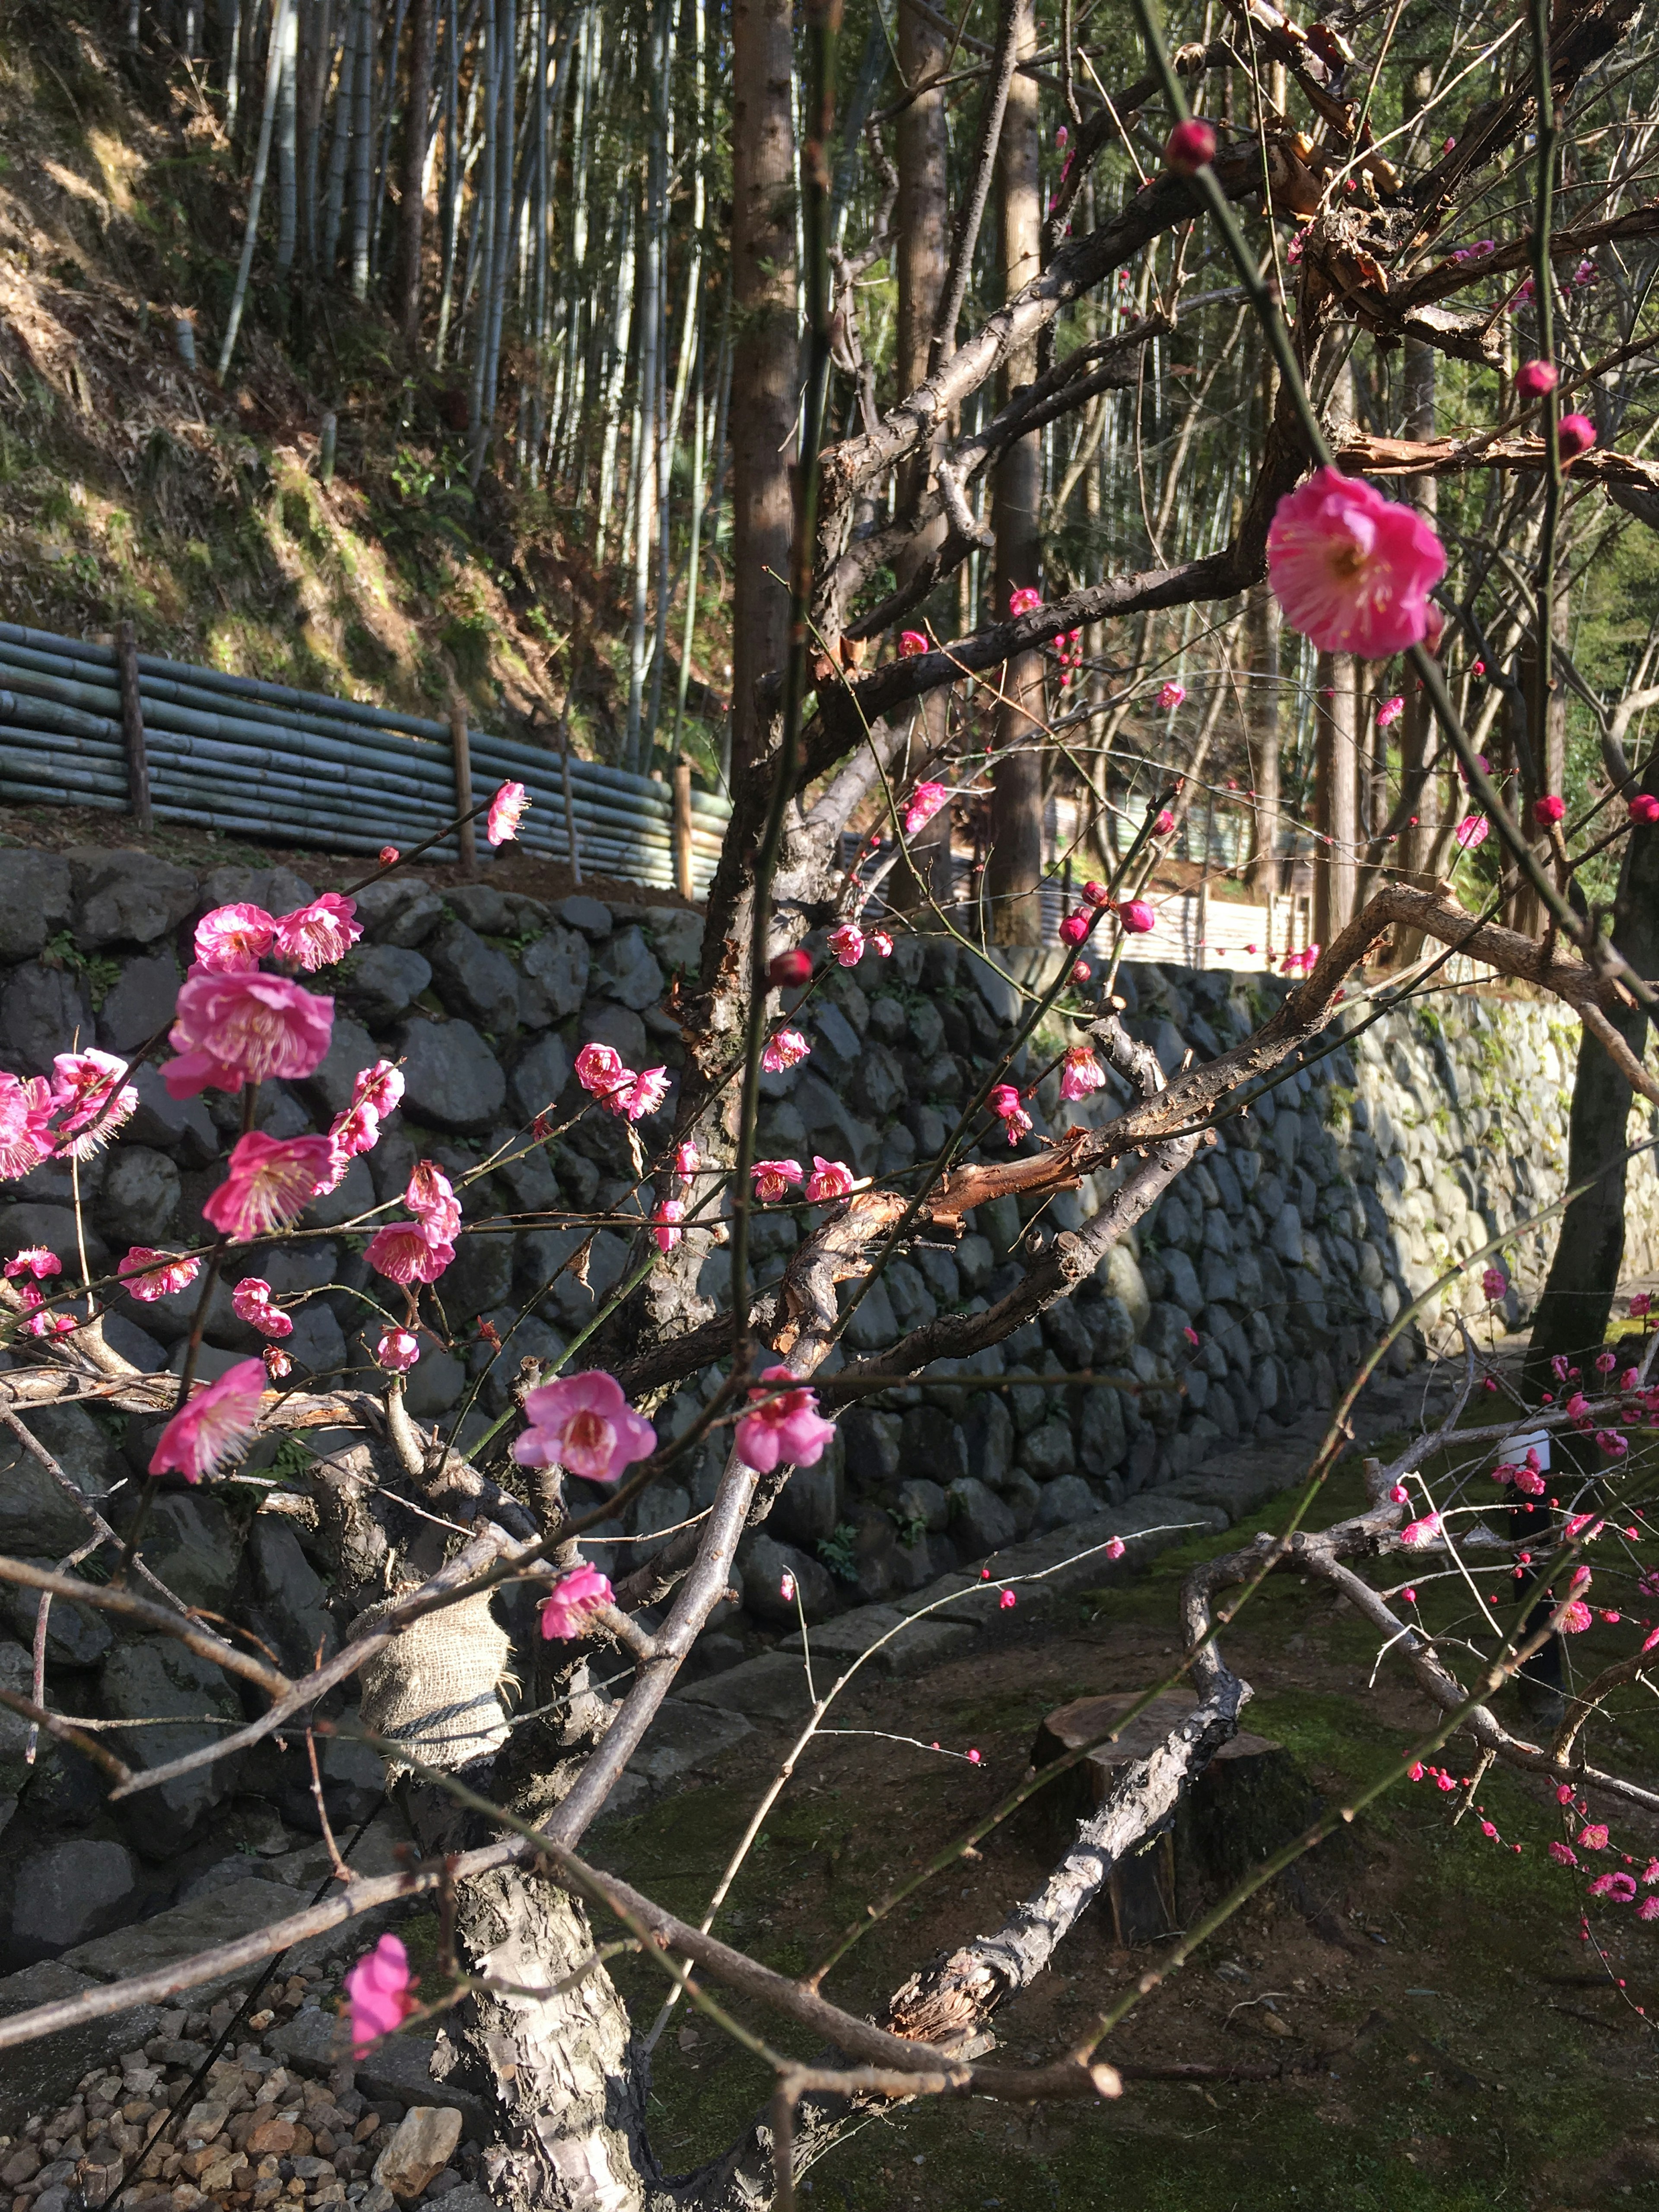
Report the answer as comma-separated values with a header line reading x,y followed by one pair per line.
x,y
1574,434
390,856
1534,378
1495,1283
789,970
1188,146
1548,808
1074,928
1644,808
786,1587
1081,971
1163,823
1137,917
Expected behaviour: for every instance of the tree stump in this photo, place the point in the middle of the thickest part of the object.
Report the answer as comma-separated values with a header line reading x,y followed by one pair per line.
x,y
1253,1797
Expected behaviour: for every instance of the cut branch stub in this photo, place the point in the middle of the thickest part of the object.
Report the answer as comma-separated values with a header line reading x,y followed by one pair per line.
x,y
1253,1796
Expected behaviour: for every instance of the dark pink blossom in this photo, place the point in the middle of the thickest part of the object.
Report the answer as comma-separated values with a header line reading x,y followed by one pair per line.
x,y
317,935
269,1180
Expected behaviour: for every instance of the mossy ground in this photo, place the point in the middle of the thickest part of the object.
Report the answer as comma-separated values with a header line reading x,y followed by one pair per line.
x,y
1474,2052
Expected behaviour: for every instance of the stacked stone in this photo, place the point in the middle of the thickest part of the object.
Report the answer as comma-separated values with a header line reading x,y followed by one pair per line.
x,y
1345,1191
259,2132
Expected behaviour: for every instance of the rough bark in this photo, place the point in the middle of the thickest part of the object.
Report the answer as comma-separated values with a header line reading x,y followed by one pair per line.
x,y
921,222
1336,716
412,212
1572,1314
1013,871
764,357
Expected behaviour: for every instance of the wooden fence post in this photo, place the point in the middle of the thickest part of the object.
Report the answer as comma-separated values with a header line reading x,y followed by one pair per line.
x,y
684,882
461,753
133,725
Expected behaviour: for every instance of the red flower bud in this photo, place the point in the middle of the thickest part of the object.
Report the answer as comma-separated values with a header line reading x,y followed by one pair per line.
x,y
1189,146
788,970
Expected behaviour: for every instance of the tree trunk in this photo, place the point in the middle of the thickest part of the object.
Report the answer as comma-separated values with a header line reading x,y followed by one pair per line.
x,y
1262,624
362,148
1336,715
1572,1314
1014,869
922,217
765,359
412,212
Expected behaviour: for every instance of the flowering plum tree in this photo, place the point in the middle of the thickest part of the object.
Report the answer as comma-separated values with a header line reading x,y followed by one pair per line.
x,y
428,1540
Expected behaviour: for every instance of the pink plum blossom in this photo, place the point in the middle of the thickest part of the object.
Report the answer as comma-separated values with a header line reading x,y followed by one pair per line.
x,y
1548,808
1024,600
911,642
880,943
34,1259
568,1607
215,1422
232,1029
430,1197
317,935
847,943
687,1159
1421,1532
390,856
786,1050
396,1351
269,1180
25,1137
278,1363
582,1422
377,1993
89,1102
785,1427
925,803
506,810
1593,1837
638,1095
1352,570
599,1068
1171,695
408,1252
1007,1601
774,1177
1472,831
829,1179
1495,1283
381,1088
1390,711
667,1213
1080,1073
1575,1617
234,939
251,1300
1620,1887
148,1275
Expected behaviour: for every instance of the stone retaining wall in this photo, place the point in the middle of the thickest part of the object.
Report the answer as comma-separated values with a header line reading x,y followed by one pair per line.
x,y
1344,1192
